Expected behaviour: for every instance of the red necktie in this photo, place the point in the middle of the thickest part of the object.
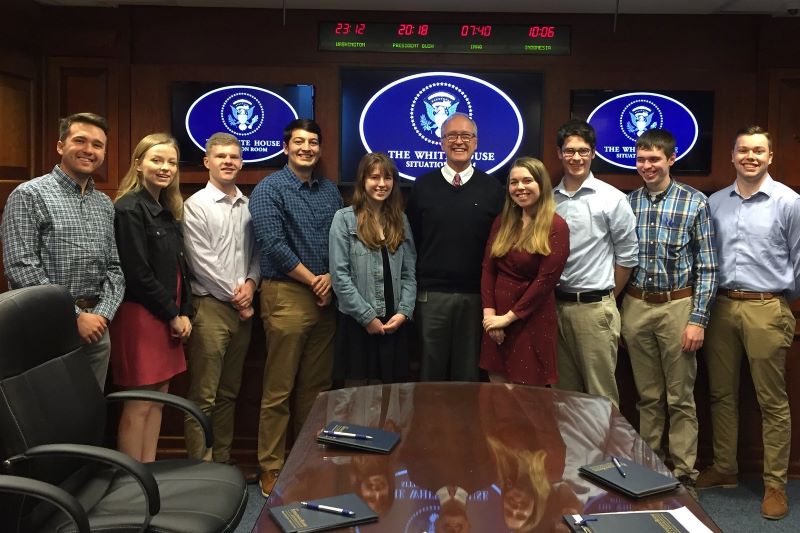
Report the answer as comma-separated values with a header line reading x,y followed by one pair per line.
x,y
457,180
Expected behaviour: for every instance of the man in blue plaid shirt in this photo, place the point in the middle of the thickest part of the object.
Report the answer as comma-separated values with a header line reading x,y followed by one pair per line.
x,y
667,301
292,211
59,229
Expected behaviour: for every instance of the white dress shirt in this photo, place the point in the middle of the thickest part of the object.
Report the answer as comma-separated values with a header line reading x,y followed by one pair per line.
x,y
220,245
450,174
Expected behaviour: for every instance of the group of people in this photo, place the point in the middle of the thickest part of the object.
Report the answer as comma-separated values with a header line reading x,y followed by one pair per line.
x,y
521,281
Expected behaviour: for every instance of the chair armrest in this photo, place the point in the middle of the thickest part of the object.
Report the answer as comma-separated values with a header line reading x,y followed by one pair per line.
x,y
49,493
169,399
114,458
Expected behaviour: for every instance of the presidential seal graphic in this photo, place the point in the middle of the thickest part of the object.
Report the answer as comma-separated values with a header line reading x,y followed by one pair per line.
x,y
242,114
639,116
432,105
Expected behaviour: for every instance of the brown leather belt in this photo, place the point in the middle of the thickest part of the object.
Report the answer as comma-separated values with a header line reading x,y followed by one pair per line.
x,y
86,303
659,297
747,295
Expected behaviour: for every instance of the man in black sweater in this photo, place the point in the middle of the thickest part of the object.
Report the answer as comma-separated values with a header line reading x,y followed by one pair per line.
x,y
451,211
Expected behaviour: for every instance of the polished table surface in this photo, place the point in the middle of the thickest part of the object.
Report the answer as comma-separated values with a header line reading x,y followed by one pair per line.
x,y
510,452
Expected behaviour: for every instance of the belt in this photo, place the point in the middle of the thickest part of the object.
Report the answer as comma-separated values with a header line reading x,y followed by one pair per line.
x,y
86,303
747,295
585,297
659,297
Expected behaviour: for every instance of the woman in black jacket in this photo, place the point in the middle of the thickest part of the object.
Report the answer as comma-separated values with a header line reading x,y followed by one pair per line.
x,y
153,320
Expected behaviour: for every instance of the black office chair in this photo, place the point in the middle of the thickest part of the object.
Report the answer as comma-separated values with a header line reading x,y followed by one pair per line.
x,y
52,426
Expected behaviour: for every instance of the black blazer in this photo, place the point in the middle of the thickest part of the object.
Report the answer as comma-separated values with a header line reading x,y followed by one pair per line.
x,y
150,243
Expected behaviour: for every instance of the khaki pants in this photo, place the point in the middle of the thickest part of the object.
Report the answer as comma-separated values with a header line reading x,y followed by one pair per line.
x,y
216,352
299,363
588,338
763,330
664,376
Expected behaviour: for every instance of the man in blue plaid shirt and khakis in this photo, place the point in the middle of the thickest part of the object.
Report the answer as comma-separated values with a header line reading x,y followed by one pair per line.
x,y
666,306
292,212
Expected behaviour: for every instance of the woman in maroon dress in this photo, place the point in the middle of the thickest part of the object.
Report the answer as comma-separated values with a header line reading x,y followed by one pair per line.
x,y
153,321
526,252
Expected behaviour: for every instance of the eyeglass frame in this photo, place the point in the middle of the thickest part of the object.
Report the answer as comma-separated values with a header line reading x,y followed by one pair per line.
x,y
454,137
570,152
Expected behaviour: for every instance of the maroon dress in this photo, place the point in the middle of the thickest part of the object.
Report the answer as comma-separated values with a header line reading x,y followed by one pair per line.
x,y
524,283
143,350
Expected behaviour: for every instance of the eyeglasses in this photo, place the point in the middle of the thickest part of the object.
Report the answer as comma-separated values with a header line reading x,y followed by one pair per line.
x,y
454,137
583,152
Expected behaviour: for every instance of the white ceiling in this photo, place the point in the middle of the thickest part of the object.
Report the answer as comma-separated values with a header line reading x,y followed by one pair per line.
x,y
700,7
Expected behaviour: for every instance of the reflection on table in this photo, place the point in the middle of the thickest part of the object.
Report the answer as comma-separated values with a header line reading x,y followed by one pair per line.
x,y
472,458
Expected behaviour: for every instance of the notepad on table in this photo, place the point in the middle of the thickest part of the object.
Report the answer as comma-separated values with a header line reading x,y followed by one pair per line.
x,y
366,438
680,520
638,481
297,518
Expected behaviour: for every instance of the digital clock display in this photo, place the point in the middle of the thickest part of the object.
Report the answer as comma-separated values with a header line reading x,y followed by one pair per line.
x,y
531,39
346,28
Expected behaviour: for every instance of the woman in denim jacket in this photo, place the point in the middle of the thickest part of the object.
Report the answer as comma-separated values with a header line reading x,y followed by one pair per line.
x,y
372,265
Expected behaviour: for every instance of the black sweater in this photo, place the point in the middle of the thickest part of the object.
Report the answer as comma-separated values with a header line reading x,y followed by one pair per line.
x,y
450,226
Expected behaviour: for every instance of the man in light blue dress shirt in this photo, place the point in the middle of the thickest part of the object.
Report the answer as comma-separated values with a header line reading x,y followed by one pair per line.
x,y
603,249
758,242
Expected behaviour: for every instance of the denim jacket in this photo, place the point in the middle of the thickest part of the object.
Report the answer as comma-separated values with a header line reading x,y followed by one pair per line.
x,y
357,271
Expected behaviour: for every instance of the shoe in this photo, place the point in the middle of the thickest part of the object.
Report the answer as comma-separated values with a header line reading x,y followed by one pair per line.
x,y
689,484
267,482
711,478
775,505
250,474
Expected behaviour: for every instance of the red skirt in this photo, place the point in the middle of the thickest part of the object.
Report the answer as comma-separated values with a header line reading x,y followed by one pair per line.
x,y
143,351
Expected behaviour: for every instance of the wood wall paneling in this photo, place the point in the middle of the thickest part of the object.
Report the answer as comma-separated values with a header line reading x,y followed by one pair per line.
x,y
77,85
16,134
17,138
784,124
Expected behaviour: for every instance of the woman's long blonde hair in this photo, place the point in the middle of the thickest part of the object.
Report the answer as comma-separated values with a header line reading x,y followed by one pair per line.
x,y
170,198
534,238
391,213
525,470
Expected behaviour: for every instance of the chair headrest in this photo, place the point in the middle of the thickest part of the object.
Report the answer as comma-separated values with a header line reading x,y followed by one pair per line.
x,y
36,324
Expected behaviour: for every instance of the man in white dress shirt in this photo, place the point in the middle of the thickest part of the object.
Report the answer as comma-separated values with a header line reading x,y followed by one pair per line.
x,y
220,248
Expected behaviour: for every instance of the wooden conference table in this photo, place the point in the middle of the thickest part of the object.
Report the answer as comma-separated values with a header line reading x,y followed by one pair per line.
x,y
510,452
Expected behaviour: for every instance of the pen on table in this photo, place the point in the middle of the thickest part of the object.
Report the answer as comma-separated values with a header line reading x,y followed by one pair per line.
x,y
619,466
358,436
583,524
327,509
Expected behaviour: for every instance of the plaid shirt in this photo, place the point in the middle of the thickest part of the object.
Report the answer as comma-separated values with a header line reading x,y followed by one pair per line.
x,y
676,245
53,234
291,222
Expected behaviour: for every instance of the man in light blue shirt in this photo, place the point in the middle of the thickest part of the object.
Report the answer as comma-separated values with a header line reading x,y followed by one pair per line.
x,y
758,242
603,251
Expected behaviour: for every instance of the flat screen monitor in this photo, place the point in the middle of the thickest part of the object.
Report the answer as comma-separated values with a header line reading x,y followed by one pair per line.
x,y
255,114
620,117
400,112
